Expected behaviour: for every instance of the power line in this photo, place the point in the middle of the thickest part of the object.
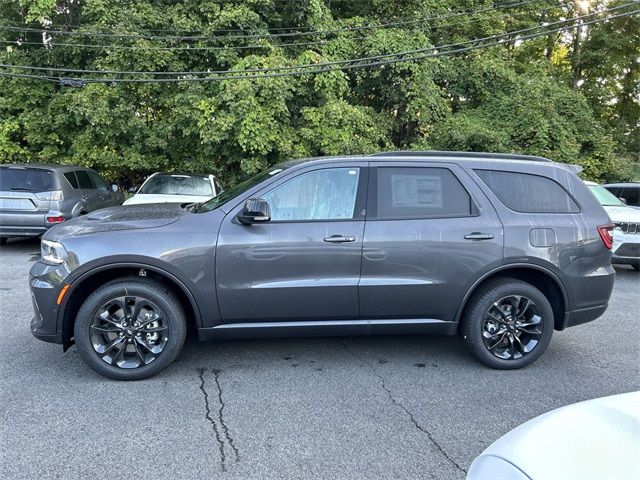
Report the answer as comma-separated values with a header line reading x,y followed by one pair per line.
x,y
243,47
239,30
274,35
352,63
573,20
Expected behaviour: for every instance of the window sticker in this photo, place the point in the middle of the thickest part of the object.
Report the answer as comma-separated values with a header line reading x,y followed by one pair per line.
x,y
416,191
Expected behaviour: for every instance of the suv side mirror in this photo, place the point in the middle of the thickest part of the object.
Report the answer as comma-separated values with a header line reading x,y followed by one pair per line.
x,y
255,210
114,188
623,200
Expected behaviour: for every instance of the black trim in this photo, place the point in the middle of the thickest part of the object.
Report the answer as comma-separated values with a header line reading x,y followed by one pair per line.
x,y
328,328
584,315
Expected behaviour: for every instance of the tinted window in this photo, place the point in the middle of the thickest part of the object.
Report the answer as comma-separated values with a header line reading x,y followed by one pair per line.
x,y
177,185
71,177
605,197
27,180
420,192
631,195
99,182
84,181
523,192
328,194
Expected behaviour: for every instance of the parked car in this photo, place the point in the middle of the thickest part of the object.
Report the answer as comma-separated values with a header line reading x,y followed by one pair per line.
x,y
502,249
628,192
176,188
35,197
626,234
594,439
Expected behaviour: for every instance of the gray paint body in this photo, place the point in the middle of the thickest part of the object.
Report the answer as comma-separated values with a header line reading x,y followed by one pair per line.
x,y
282,278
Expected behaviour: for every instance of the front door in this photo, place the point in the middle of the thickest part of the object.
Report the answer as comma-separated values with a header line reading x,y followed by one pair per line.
x,y
304,264
430,232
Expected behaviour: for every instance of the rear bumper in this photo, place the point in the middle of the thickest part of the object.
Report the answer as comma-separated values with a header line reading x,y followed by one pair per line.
x,y
584,315
18,231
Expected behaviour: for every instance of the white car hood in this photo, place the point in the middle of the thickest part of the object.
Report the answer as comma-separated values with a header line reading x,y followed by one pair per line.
x,y
594,439
623,214
140,198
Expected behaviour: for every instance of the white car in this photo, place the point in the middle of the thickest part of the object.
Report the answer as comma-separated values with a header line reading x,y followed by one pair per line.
x,y
175,188
626,234
598,439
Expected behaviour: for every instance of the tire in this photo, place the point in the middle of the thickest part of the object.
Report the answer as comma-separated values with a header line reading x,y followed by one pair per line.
x,y
636,267
159,321
518,345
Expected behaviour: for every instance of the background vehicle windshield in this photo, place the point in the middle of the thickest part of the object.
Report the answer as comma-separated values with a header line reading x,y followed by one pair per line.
x,y
233,192
177,185
605,197
27,180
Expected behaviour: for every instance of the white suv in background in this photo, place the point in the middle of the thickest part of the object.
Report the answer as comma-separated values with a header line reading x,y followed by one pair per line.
x,y
626,234
176,188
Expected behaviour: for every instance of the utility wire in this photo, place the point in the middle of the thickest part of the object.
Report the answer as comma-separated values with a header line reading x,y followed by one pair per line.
x,y
572,20
78,82
255,46
274,35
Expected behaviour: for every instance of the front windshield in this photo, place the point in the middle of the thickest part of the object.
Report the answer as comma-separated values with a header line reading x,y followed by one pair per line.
x,y
236,190
605,197
177,185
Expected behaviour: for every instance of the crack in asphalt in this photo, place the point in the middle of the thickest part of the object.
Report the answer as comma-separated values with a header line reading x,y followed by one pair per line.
x,y
405,409
208,416
225,429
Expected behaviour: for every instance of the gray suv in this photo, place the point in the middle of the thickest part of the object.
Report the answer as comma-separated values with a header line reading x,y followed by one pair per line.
x,y
500,249
35,197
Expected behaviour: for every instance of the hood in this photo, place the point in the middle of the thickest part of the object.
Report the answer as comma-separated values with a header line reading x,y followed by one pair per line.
x,y
623,214
145,198
118,218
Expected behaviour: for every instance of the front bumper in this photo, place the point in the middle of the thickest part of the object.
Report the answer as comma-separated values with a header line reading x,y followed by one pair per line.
x,y
45,282
626,247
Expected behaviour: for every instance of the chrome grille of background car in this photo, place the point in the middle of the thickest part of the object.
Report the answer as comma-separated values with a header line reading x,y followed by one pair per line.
x,y
628,227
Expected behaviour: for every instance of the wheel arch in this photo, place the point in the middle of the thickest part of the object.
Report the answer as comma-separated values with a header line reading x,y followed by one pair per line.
x,y
84,284
540,277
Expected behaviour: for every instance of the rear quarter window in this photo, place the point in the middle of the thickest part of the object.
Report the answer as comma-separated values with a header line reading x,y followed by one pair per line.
x,y
526,193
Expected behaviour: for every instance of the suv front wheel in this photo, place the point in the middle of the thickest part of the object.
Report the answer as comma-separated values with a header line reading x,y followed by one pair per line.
x,y
508,324
130,329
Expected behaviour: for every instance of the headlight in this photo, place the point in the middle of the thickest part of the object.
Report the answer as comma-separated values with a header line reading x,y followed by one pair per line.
x,y
52,253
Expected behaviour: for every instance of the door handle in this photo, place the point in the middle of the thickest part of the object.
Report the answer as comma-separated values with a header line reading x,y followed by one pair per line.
x,y
478,236
340,239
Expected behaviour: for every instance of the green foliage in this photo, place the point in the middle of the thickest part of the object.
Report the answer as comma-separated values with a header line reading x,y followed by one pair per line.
x,y
507,99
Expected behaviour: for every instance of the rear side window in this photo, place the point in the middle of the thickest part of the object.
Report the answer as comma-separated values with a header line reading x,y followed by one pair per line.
x,y
71,177
420,192
84,181
27,180
527,193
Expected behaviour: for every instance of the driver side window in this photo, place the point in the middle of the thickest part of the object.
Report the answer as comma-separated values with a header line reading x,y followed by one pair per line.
x,y
327,194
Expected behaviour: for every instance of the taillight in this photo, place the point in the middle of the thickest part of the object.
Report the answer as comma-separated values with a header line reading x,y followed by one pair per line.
x,y
606,234
55,219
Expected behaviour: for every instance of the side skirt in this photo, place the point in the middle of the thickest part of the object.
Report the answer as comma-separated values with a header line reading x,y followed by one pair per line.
x,y
329,328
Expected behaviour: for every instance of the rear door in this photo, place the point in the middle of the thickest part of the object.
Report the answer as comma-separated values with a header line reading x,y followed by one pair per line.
x,y
105,196
430,232
89,191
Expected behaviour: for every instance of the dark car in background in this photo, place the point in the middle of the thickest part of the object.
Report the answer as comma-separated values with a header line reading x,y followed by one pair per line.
x,y
628,192
35,197
500,249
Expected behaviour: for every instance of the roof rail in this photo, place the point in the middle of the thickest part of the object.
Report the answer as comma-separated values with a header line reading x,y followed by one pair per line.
x,y
435,153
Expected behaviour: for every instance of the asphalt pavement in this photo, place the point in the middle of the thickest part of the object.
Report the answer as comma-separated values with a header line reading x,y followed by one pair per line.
x,y
353,408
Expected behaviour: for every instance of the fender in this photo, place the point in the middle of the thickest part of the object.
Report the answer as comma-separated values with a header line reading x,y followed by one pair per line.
x,y
75,279
508,266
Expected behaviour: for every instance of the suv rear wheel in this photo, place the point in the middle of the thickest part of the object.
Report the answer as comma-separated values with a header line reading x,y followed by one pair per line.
x,y
130,329
508,324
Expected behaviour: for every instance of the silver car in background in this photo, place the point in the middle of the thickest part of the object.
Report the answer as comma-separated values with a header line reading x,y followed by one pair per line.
x,y
594,439
35,197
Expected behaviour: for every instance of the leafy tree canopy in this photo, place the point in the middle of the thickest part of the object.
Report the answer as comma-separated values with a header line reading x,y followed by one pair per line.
x,y
572,96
